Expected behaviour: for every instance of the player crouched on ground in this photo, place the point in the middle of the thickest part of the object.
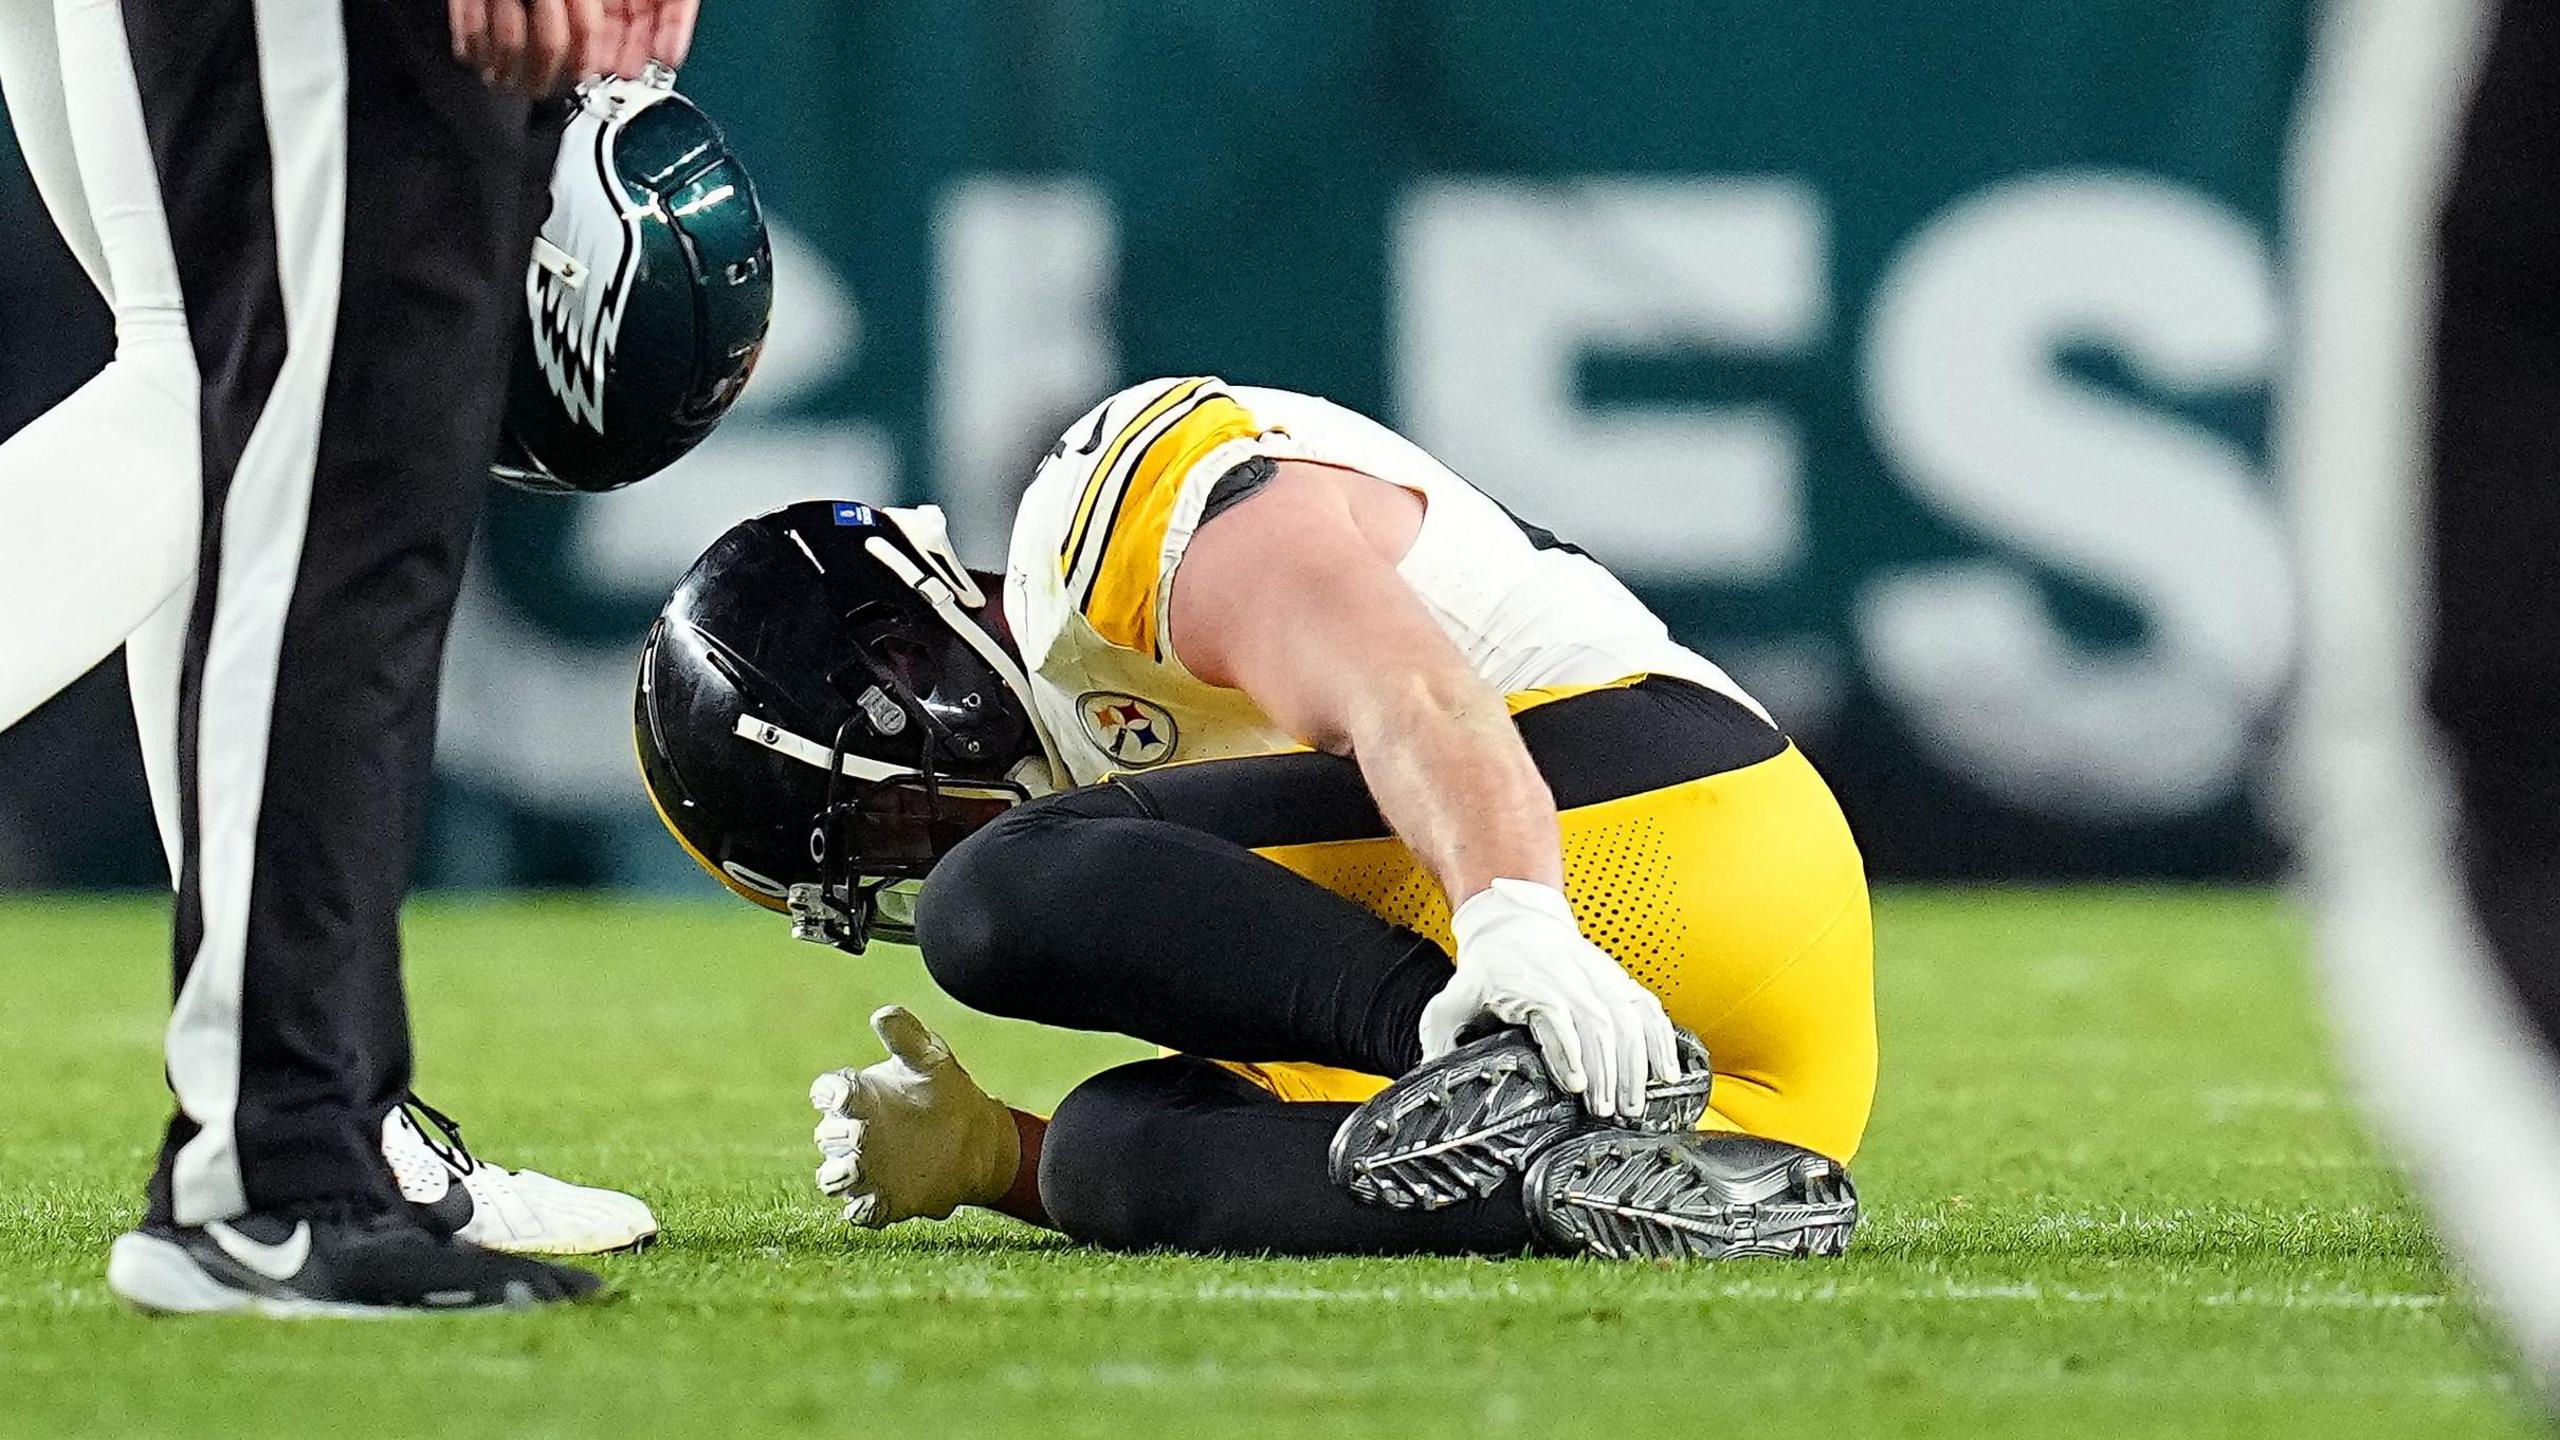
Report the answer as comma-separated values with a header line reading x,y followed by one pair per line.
x,y
1275,717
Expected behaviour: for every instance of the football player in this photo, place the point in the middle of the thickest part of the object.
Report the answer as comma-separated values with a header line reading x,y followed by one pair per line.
x,y
1409,833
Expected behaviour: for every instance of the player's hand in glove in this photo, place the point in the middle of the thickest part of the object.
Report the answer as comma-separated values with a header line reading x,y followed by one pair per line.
x,y
1522,961
912,1136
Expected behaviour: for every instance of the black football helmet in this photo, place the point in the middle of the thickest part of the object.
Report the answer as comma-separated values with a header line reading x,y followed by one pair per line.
x,y
649,295
820,717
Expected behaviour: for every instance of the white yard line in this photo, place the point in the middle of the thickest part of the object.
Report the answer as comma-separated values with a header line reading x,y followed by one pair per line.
x,y
1564,1293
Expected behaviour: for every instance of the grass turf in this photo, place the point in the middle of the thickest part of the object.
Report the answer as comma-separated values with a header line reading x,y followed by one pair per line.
x,y
2112,1189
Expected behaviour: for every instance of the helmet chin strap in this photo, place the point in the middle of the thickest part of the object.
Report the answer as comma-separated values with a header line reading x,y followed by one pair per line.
x,y
929,530
939,592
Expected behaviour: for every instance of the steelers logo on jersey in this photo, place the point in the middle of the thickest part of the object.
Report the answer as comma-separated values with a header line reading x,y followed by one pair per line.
x,y
1136,733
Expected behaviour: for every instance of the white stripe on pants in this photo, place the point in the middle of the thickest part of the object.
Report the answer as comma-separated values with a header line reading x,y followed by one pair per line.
x,y
302,74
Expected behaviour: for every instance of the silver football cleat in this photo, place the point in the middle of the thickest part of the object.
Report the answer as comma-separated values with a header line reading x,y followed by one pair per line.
x,y
1457,1127
1622,1195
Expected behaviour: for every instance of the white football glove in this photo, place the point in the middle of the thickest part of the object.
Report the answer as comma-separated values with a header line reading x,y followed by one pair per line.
x,y
912,1136
1522,961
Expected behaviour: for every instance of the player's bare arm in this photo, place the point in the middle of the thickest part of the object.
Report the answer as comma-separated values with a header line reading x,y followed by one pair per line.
x,y
1292,597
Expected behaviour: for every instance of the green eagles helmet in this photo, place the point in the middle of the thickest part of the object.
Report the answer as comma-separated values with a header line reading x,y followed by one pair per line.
x,y
649,293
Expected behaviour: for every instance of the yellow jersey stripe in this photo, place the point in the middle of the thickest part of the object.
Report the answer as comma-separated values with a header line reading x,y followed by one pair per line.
x,y
1128,577
1072,547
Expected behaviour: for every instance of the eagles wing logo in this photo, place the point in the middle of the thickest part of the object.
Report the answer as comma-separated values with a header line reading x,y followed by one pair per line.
x,y
1137,733
580,283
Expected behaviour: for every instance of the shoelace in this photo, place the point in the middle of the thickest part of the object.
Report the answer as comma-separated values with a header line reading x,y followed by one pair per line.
x,y
452,1152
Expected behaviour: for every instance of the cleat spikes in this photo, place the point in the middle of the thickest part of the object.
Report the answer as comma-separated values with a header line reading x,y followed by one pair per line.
x,y
1627,1196
1458,1127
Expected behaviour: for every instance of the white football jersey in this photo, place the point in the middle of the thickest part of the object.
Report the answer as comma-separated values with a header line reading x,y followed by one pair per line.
x,y
1089,581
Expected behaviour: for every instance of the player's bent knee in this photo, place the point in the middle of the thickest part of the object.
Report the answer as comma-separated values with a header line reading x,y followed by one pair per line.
x,y
1104,1144
997,921
993,905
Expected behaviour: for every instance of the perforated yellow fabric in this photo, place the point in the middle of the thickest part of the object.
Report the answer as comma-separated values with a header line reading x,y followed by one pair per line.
x,y
1739,898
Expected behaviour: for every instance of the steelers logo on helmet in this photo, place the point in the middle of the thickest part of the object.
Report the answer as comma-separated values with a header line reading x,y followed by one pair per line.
x,y
1137,733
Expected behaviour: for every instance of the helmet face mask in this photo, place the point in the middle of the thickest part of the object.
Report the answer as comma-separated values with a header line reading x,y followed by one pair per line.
x,y
820,717
874,833
885,833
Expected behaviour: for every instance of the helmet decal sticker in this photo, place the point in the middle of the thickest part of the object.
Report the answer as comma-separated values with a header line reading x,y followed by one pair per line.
x,y
593,245
647,298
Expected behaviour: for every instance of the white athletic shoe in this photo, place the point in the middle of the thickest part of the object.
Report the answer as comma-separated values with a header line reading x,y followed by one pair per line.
x,y
521,1211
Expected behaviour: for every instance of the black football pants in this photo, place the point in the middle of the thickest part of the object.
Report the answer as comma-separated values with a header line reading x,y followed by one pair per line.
x,y
1138,907
351,213
2495,682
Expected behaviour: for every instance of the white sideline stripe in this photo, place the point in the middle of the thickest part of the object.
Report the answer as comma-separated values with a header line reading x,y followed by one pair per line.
x,y
302,74
2430,1033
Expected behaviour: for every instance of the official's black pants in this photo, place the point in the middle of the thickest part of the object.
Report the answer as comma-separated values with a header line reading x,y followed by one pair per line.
x,y
2495,681
351,212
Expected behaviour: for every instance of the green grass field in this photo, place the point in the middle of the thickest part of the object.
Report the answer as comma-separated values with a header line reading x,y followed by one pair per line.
x,y
2112,1188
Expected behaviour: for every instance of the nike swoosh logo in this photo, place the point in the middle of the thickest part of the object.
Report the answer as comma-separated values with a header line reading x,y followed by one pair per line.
x,y
281,1261
450,1211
